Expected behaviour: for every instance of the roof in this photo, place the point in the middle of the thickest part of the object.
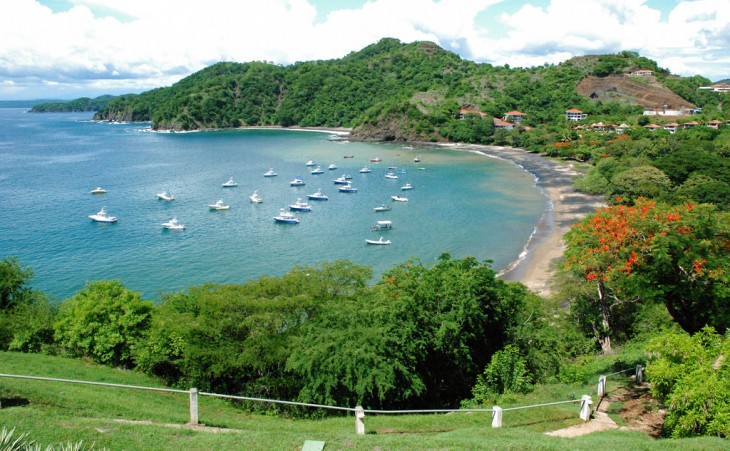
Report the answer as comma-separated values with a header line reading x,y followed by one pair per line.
x,y
573,110
514,113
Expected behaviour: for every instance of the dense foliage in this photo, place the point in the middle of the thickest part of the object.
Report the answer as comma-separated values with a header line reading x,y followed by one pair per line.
x,y
80,104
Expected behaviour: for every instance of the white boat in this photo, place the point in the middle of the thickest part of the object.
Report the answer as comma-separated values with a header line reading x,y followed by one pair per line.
x,y
341,181
317,170
348,188
286,217
270,173
382,208
332,167
309,163
390,175
347,177
365,170
297,182
407,186
417,159
380,241
382,225
318,196
300,205
172,224
255,198
398,198
165,196
98,190
219,205
102,216
376,160
230,183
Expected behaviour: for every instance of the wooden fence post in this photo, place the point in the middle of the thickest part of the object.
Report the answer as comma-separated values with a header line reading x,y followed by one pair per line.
x,y
496,417
639,374
359,420
585,407
194,406
601,386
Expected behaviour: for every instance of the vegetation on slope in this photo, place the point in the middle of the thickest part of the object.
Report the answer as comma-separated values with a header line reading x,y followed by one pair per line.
x,y
80,104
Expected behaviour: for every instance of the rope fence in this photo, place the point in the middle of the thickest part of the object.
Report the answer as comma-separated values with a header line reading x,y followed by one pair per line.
x,y
496,411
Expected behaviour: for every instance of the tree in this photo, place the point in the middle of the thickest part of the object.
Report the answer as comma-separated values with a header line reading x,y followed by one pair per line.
x,y
642,181
655,252
14,280
103,321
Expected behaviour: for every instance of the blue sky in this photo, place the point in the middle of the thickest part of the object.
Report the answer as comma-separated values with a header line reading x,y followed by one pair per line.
x,y
72,48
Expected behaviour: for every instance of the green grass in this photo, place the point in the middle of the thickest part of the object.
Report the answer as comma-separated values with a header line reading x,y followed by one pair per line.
x,y
53,413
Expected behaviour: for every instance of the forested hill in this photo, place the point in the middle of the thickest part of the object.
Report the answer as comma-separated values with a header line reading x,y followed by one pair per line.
x,y
390,90
80,104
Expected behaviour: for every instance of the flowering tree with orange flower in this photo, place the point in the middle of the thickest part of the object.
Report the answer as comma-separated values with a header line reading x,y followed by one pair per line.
x,y
679,255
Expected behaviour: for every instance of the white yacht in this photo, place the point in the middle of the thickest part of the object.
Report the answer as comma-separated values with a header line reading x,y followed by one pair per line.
x,y
297,182
230,183
398,198
102,216
165,196
318,196
300,205
347,188
365,170
172,224
341,180
382,208
219,205
98,190
381,241
407,186
332,167
317,170
270,173
255,198
286,217
309,163
390,175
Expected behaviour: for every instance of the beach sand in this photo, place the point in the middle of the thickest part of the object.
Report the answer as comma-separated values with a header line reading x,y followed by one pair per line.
x,y
565,207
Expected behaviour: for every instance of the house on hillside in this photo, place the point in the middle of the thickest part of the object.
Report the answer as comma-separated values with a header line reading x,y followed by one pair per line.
x,y
463,112
514,116
717,87
714,124
652,127
642,73
575,115
622,128
690,124
499,123
672,127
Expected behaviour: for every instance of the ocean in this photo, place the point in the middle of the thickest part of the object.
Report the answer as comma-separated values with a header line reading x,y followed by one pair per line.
x,y
463,203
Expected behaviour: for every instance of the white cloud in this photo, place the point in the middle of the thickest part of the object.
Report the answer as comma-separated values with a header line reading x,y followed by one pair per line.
x,y
133,45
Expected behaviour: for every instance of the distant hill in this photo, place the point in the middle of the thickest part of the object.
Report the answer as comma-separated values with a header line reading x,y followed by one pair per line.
x,y
80,104
396,91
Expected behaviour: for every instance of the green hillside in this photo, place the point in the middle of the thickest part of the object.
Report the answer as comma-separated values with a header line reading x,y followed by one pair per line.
x,y
418,86
80,104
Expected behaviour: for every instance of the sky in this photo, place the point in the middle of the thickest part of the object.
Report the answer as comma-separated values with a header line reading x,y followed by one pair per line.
x,y
64,49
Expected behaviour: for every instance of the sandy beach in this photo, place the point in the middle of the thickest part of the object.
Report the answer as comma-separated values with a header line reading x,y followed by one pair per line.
x,y
565,207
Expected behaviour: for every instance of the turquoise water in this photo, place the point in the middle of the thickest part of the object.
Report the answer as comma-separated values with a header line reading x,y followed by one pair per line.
x,y
463,203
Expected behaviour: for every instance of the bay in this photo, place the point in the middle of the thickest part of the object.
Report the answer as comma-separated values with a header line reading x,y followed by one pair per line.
x,y
462,203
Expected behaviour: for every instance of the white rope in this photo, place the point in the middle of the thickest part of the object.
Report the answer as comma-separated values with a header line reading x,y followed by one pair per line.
x,y
105,384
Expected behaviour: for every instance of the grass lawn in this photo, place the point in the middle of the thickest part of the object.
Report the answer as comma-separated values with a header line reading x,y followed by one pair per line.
x,y
53,413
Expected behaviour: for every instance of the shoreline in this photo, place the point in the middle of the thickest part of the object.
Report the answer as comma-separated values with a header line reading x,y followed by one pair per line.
x,y
565,207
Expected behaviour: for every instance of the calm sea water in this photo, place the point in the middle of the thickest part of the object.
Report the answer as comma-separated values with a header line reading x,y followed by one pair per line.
x,y
463,203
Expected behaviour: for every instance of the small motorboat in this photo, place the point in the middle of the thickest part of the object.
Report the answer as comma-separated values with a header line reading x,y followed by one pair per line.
x,y
382,208
318,196
255,198
398,198
349,156
230,183
392,168
348,188
347,177
417,159
380,241
165,196
172,224
219,205
270,173
286,217
390,175
317,170
102,216
309,163
407,186
300,205
332,167
341,181
98,190
365,170
382,225
376,160
297,182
